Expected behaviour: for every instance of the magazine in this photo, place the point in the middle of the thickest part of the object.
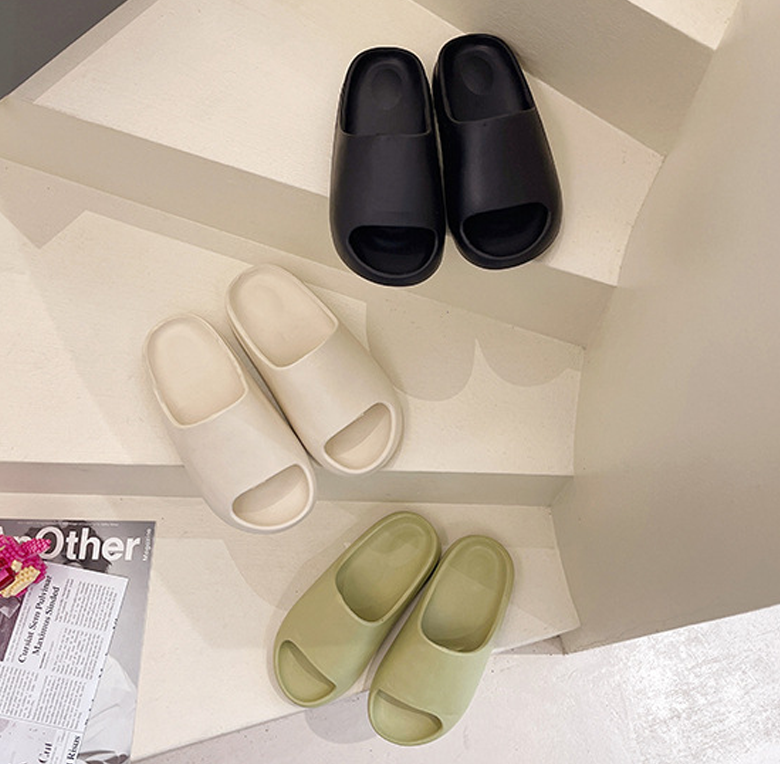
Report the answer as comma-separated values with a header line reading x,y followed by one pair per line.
x,y
70,646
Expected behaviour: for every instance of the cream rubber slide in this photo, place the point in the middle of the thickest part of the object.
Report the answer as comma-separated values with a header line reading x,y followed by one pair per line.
x,y
329,636
239,452
336,397
428,677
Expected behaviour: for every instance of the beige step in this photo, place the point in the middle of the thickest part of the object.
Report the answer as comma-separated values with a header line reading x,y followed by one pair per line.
x,y
223,113
489,408
219,592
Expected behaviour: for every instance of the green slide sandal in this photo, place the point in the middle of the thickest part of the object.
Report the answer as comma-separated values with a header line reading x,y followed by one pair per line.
x,y
428,677
329,636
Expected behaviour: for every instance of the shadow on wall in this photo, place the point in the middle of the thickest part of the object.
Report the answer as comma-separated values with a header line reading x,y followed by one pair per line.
x,y
32,32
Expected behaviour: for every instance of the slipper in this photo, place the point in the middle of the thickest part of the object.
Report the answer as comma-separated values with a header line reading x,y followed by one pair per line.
x,y
239,452
386,205
329,636
428,677
501,187
340,403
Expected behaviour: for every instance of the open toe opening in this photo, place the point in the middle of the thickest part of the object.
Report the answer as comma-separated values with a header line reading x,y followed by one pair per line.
x,y
279,316
301,681
466,604
507,232
364,442
195,374
401,723
383,570
276,502
394,250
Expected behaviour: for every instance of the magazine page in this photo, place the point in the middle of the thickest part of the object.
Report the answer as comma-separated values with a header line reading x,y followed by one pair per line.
x,y
111,551
52,662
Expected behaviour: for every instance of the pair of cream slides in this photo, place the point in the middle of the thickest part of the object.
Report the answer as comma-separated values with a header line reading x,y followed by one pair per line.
x,y
248,463
428,677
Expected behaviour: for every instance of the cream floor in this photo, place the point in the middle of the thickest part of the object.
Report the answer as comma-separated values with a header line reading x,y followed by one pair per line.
x,y
706,694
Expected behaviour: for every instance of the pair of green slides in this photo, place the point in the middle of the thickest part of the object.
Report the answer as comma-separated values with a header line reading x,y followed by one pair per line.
x,y
428,676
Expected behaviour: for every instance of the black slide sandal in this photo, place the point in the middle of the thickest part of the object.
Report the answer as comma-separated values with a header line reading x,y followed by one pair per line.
x,y
501,187
386,203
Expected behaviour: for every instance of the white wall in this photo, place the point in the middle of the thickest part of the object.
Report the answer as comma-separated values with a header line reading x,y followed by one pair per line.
x,y
674,513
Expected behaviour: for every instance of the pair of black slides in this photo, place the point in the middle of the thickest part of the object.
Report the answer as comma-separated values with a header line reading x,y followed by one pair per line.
x,y
387,208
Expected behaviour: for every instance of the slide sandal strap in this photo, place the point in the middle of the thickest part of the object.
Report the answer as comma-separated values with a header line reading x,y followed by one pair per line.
x,y
385,180
498,163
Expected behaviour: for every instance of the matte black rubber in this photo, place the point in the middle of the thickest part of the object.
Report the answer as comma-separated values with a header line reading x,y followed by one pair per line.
x,y
386,202
502,193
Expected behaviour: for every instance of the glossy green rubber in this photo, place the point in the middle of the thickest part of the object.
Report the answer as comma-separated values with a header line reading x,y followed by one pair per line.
x,y
431,671
331,633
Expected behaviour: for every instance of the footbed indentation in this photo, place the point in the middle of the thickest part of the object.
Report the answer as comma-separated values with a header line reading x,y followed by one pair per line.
x,y
280,317
476,73
384,569
195,374
386,96
466,601
482,83
386,87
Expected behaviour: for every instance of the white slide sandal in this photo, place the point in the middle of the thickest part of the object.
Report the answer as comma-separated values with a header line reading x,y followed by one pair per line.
x,y
239,452
336,397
